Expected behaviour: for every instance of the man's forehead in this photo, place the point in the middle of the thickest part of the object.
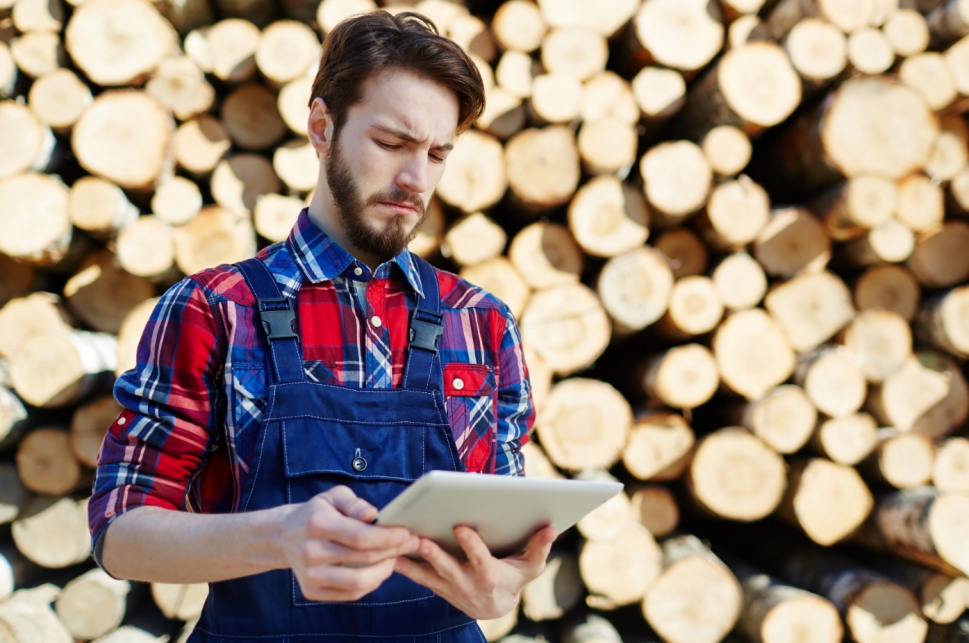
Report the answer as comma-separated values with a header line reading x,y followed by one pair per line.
x,y
407,104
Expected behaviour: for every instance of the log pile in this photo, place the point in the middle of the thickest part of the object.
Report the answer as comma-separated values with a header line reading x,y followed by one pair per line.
x,y
734,233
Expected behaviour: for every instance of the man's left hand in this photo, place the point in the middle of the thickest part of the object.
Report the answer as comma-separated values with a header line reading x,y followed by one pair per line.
x,y
484,587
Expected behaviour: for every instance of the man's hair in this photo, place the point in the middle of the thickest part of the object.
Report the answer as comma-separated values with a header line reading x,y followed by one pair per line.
x,y
363,46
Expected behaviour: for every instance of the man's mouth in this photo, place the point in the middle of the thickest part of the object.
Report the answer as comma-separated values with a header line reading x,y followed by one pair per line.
x,y
403,208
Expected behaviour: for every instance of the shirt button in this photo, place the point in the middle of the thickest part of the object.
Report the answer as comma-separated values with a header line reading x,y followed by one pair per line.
x,y
375,321
458,383
358,271
121,421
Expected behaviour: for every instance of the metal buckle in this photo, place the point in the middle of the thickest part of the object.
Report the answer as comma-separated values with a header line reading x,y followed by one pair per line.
x,y
426,330
279,323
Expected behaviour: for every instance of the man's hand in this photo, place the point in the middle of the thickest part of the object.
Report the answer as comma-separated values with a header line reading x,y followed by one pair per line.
x,y
484,587
331,530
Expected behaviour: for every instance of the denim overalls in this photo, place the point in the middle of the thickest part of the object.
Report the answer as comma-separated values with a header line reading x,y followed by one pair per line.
x,y
315,436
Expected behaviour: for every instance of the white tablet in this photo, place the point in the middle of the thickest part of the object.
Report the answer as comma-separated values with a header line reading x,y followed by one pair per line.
x,y
505,510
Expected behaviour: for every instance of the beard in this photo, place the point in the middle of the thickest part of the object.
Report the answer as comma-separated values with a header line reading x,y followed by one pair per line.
x,y
350,205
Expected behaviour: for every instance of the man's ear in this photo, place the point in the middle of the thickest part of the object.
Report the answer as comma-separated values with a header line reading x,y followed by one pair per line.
x,y
320,126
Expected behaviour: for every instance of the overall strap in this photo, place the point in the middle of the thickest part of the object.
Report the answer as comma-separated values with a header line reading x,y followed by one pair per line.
x,y
278,319
423,369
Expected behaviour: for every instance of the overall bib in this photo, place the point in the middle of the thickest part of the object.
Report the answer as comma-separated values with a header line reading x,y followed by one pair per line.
x,y
315,436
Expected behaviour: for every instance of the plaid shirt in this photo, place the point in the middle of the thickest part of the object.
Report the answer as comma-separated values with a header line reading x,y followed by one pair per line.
x,y
192,408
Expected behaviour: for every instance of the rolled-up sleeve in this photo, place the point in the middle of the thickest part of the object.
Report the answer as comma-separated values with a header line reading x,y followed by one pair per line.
x,y
514,409
169,402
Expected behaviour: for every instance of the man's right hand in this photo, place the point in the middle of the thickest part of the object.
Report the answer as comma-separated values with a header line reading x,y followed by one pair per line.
x,y
334,551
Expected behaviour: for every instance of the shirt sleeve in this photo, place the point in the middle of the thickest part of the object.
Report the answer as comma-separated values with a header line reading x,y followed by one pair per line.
x,y
169,401
514,409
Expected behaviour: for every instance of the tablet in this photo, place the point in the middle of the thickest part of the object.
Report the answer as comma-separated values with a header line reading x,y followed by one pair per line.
x,y
505,510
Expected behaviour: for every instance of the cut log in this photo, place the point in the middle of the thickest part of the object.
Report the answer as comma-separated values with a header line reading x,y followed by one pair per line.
x,y
293,104
101,293
608,519
950,153
929,75
112,50
609,95
58,99
579,52
740,281
251,117
920,203
727,149
53,532
176,201
27,143
607,146
889,242
735,215
493,630
957,632
655,508
603,17
832,381
556,591
546,255
13,424
956,57
500,277
950,471
88,427
556,98
608,218
228,50
696,597
939,260
124,137
518,26
618,572
146,248
538,464
810,308
93,604
287,50
660,93
846,440
685,254
585,423
891,288
331,12
878,342
792,242
130,335
907,32
35,227
20,318
635,288
846,15
428,237
199,145
184,16
589,629
216,236
504,114
474,239
694,308
59,367
26,617
869,51
683,377
275,215
737,9
15,570
516,70
903,460
472,35
241,179
659,447
943,322
297,165
855,206
784,418
677,179
942,597
183,602
752,353
131,634
948,22
38,53
475,177
180,86
882,10
16,279
818,51
567,326
8,71
676,34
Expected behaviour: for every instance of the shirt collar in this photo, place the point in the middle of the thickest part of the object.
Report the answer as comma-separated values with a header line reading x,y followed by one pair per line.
x,y
321,258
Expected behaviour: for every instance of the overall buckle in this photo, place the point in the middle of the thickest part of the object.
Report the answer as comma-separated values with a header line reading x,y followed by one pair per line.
x,y
426,329
278,318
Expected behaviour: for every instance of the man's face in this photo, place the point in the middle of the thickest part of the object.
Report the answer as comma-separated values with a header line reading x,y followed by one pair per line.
x,y
387,159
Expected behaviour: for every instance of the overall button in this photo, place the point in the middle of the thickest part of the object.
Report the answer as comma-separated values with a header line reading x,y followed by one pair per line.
x,y
359,464
121,421
458,383
375,321
358,271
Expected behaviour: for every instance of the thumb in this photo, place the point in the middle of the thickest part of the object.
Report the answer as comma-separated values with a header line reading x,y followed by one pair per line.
x,y
350,504
539,546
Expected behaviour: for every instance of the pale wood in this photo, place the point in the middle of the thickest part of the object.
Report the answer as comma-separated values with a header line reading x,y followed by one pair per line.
x,y
238,181
608,519
34,224
546,255
287,50
607,146
891,288
114,52
846,15
131,634
882,10
659,447
684,377
176,201
124,137
474,239
58,99
516,70
889,242
22,317
740,281
677,179
818,51
659,92
810,308
89,424
678,34
332,12
878,342
603,16
275,215
199,144
13,424
293,104
180,86
609,95
501,278
38,53
16,279
738,8
736,214
929,75
784,418
93,604
869,51
183,602
792,242
556,98
950,153
537,463
251,117
53,532
576,51
15,570
851,208
504,114
846,440
635,288
938,260
590,629
694,308
619,571
427,239
518,26
38,15
567,326
493,629
920,203
902,460
27,143
130,334
585,423
956,57
655,508
684,251
950,472
227,49
472,34
943,322
216,236
26,617
753,354
907,32
8,71
557,590
727,148
696,597
948,22
101,293
832,380
297,165
146,248
942,597
475,177
60,367
540,374
739,31
957,197
608,218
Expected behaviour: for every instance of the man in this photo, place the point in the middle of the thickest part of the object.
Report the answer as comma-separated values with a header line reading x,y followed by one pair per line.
x,y
285,398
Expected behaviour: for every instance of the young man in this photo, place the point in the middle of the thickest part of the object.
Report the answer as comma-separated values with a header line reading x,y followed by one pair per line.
x,y
285,398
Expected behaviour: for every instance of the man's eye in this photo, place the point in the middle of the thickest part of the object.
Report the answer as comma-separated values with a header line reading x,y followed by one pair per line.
x,y
436,159
388,146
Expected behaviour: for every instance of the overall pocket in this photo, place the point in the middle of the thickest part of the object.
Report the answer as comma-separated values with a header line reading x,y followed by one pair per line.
x,y
469,391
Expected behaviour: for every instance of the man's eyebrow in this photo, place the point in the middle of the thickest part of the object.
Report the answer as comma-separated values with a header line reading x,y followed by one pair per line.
x,y
406,136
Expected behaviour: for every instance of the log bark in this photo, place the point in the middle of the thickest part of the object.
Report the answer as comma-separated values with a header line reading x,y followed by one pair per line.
x,y
608,218
287,50
635,289
948,22
784,418
728,149
556,591
101,293
16,279
53,532
792,242
943,322
655,508
24,316
214,237
890,242
518,26
89,425
501,278
950,153
902,460
618,572
753,355
694,308
879,342
683,377
740,281
241,179
735,215
35,227
186,16
30,143
251,117
476,176
58,99
847,440
60,367
199,145
180,86
832,380
546,255
810,308
684,251
907,32
942,597
679,35
93,604
950,472
677,180
130,334
659,447
937,261
474,239
892,288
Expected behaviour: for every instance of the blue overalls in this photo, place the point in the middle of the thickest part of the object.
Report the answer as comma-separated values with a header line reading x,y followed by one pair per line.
x,y
315,436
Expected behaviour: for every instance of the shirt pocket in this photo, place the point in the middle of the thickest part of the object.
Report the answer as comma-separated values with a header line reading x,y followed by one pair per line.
x,y
469,391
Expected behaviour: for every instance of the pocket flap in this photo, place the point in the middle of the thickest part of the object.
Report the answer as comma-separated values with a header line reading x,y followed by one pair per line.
x,y
470,380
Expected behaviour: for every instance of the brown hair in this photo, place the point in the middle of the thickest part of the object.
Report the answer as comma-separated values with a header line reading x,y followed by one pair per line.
x,y
365,45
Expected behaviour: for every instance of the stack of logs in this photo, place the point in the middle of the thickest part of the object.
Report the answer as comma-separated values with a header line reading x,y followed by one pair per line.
x,y
734,233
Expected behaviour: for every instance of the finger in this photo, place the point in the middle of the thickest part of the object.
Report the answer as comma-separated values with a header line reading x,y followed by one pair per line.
x,y
443,563
358,581
421,574
350,504
536,553
325,552
332,525
474,547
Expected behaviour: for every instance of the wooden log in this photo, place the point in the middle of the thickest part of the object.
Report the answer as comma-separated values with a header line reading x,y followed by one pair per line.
x,y
694,308
608,519
518,26
576,51
26,617
608,218
13,424
293,104
538,464
429,236
251,117
907,32
183,602
585,423
920,203
607,146
500,277
238,181
882,10
297,165
146,248
740,281
956,57
493,629
15,570
660,94
60,367
186,16
696,597
831,380
22,317
331,12
618,572
928,394
943,322
52,532
475,178
472,34
176,201
728,149
8,71
957,632
546,255
555,99
902,460
30,144
818,51
590,628
680,35
655,508
287,50
684,251
35,15
851,208
659,447
938,260
567,326
810,308
845,15
516,70
891,288
792,242
635,289
828,501
950,153
684,377
113,51
735,214
846,440
34,224
227,49
275,215
214,237
929,75
889,242
784,418
180,86
101,293
677,179
130,334
58,99
942,597
878,342
948,22
474,239
93,604
89,424
16,279
556,591
603,17
950,471
38,53
131,634
753,354
504,114
199,145
869,51
608,95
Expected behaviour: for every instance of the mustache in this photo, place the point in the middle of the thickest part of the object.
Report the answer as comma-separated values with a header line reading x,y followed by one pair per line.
x,y
398,196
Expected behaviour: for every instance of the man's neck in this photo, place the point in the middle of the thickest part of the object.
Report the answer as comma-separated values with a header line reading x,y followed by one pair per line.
x,y
323,214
